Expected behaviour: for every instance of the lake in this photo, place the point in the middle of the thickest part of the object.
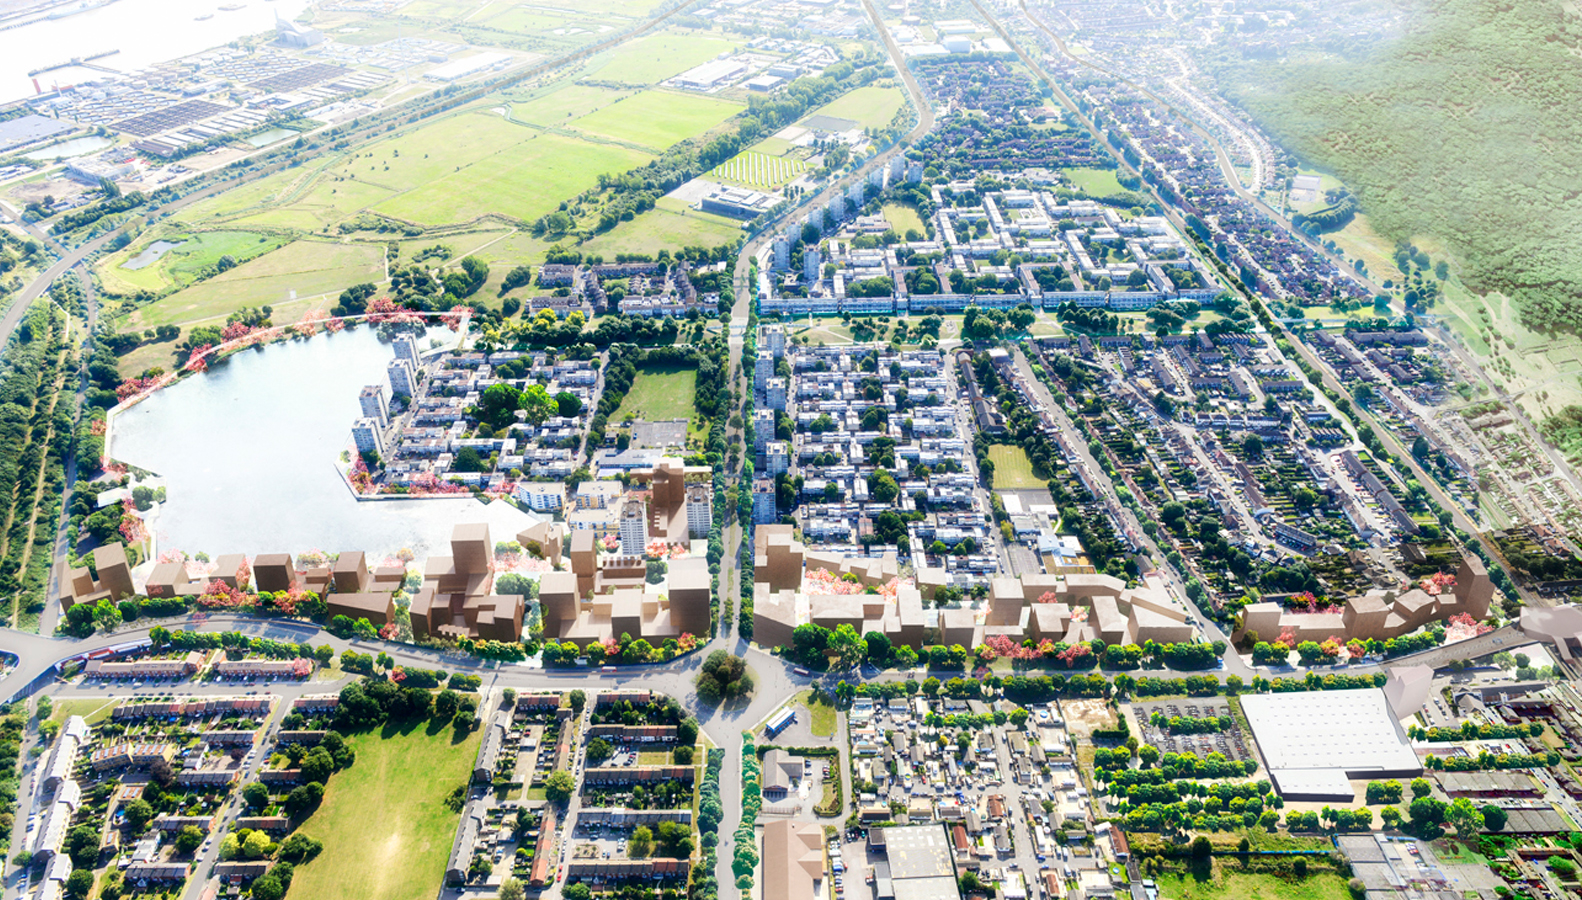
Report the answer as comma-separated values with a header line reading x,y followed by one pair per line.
x,y
272,136
70,149
150,255
247,453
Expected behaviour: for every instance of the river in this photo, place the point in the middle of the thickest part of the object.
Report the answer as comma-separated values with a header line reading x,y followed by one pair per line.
x,y
247,453
145,31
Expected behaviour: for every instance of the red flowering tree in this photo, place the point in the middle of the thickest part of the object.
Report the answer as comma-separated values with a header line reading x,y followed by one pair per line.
x,y
236,331
455,317
391,631
1075,653
687,642
219,595
1048,597
198,361
244,574
397,674
301,668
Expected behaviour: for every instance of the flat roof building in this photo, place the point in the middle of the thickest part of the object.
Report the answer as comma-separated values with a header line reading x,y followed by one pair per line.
x,y
1313,741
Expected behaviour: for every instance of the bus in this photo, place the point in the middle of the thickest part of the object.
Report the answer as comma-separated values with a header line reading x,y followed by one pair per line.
x,y
778,724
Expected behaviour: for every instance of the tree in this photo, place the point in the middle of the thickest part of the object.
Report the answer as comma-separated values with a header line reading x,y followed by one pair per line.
x,y
1465,818
304,799
1202,847
877,646
511,889
268,888
446,703
498,405
257,845
230,846
578,701
578,891
559,786
1299,867
191,837
299,847
79,883
642,843
599,750
1494,818
845,647
538,404
568,404
1421,788
317,765
138,814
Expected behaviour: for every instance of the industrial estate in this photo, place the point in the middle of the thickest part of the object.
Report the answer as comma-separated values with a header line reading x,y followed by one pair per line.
x,y
806,450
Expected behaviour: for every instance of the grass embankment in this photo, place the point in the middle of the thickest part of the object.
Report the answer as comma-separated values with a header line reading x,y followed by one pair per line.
x,y
386,830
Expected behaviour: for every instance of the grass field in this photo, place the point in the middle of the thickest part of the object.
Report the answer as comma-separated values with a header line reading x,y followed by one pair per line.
x,y
1012,469
310,268
821,715
1252,886
1096,182
660,394
93,710
657,119
450,171
565,104
181,265
401,781
758,170
669,225
655,58
871,106
903,217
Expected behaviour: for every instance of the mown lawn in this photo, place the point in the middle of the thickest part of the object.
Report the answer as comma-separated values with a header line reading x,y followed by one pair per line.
x,y
386,830
660,394
1095,182
821,715
1012,469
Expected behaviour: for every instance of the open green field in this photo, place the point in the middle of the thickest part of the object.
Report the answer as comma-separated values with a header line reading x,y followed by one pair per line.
x,y
398,783
871,106
1227,885
449,171
623,9
93,710
310,268
1013,471
758,170
902,217
821,715
657,119
1095,182
564,105
181,265
525,20
659,394
653,59
669,225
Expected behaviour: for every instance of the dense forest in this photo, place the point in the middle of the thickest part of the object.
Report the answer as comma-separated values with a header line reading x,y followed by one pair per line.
x,y
1467,127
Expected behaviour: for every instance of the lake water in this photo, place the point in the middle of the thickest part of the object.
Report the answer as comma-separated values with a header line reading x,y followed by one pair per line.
x,y
70,149
151,255
248,451
272,136
145,31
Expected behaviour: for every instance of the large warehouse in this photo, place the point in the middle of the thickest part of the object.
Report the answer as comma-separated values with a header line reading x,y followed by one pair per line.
x,y
1313,743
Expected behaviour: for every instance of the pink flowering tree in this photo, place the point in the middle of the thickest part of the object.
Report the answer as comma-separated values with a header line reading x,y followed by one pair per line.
x,y
198,360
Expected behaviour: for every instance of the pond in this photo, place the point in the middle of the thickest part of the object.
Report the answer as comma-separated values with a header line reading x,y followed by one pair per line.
x,y
272,136
248,455
69,149
151,254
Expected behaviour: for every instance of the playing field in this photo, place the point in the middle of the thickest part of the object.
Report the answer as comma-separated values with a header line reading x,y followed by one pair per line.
x,y
903,218
1097,182
870,106
182,264
310,268
657,119
669,225
386,830
1013,471
758,170
652,59
659,394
